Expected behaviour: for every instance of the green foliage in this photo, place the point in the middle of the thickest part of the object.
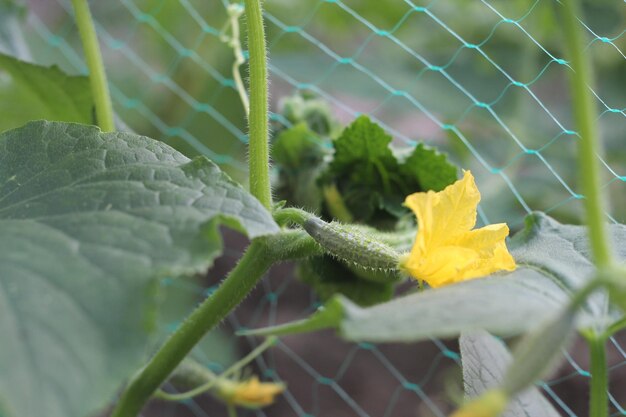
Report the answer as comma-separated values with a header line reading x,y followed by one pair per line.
x,y
365,181
539,351
373,181
313,112
429,168
30,92
300,154
485,360
88,222
553,261
328,277
365,171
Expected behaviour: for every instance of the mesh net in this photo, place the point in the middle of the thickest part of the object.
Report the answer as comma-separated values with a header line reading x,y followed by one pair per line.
x,y
485,80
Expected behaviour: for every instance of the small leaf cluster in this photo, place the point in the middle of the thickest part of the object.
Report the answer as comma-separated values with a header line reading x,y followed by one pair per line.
x,y
353,175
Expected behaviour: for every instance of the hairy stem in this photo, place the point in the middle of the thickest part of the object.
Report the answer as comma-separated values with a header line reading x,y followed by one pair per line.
x,y
292,215
585,116
259,162
97,75
254,263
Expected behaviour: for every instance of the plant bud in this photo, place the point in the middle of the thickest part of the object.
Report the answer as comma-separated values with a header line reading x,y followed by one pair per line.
x,y
490,404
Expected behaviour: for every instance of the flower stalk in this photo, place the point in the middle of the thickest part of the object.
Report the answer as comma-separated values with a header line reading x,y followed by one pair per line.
x,y
210,380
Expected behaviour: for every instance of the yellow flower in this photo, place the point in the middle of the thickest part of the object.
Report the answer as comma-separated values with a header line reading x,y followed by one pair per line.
x,y
250,393
446,249
490,404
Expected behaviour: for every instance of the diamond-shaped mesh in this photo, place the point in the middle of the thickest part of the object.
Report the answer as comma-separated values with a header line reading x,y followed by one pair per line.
x,y
485,80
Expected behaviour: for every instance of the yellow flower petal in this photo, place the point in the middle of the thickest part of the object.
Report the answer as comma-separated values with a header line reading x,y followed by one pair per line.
x,y
445,215
446,250
251,393
440,266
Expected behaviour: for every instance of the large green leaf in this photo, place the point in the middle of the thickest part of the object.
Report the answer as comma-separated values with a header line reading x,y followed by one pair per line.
x,y
88,222
485,360
553,260
30,92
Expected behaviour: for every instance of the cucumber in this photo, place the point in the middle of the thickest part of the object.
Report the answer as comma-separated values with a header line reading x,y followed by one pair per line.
x,y
352,246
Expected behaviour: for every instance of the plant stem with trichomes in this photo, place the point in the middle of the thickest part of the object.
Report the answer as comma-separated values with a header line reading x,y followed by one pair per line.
x,y
97,74
585,116
257,259
252,266
258,149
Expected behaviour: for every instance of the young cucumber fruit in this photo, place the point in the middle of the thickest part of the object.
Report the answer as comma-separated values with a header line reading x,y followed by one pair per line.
x,y
351,246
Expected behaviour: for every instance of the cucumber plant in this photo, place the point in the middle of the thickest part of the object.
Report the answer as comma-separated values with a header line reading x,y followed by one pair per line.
x,y
92,219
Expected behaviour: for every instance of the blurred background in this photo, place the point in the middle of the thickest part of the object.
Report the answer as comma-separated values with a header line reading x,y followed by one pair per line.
x,y
484,80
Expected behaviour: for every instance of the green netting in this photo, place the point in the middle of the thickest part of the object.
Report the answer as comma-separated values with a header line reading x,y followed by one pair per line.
x,y
485,80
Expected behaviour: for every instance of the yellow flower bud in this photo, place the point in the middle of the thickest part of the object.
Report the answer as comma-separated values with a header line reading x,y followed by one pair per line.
x,y
250,393
490,404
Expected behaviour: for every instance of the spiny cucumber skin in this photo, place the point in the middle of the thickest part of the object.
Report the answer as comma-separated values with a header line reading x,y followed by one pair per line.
x,y
351,246
401,241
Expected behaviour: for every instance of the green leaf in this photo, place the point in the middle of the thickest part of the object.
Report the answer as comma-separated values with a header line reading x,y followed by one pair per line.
x,y
538,351
329,277
299,154
562,252
364,169
553,261
445,312
363,140
430,168
89,222
485,360
373,180
313,112
30,92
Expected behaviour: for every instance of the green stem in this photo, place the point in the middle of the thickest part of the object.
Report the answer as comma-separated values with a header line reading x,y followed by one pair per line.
x,y
259,162
585,116
292,215
97,75
614,328
599,401
213,379
255,262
